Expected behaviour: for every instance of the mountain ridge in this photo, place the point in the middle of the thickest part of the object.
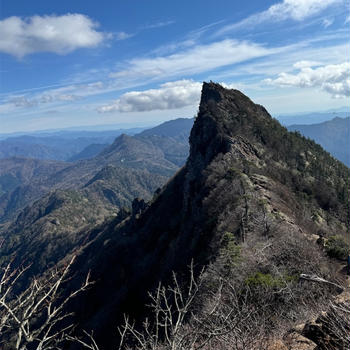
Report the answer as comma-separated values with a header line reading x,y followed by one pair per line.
x,y
160,155
333,135
239,180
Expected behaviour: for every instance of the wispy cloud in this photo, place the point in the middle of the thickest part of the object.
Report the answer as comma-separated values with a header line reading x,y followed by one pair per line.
x,y
308,53
158,24
327,22
191,39
245,62
58,34
306,64
197,59
171,95
232,56
296,10
333,78
22,101
199,32
64,94
123,35
27,102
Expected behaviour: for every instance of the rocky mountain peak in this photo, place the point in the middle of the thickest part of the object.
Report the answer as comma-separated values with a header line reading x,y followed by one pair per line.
x,y
250,192
223,114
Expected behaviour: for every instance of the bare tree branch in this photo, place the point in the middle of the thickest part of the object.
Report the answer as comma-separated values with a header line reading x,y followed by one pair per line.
x,y
36,318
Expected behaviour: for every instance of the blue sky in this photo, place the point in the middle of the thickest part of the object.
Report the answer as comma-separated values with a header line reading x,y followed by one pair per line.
x,y
71,63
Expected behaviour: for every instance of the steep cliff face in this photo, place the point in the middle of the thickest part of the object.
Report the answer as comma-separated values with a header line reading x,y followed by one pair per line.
x,y
246,177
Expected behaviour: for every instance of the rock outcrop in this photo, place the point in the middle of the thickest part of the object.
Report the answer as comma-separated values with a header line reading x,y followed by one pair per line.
x,y
246,175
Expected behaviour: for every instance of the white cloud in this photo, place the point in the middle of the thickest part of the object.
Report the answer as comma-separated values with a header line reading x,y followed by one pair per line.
x,y
197,59
306,64
123,35
327,22
319,55
333,78
296,10
171,95
22,101
27,102
53,98
65,94
58,34
158,24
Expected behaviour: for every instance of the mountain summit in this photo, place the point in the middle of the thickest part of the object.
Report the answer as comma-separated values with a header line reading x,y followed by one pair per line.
x,y
221,114
270,191
251,202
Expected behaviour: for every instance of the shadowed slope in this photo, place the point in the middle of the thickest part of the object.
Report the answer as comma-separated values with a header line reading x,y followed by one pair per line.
x,y
246,175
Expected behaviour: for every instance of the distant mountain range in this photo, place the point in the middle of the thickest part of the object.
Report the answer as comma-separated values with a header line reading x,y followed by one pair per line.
x,y
46,206
157,154
160,150
76,132
246,207
312,118
59,145
332,135
88,152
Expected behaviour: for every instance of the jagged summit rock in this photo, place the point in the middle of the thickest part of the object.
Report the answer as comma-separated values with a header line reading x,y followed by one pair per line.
x,y
246,178
222,113
246,175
